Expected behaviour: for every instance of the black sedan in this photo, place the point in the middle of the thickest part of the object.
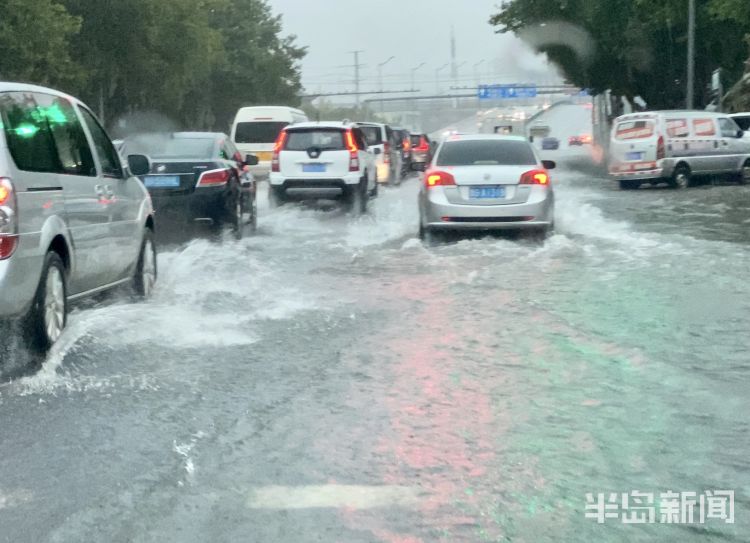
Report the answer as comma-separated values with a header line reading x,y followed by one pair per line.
x,y
198,177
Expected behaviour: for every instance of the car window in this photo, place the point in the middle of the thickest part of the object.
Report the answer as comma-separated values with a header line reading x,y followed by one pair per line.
x,y
359,139
67,132
324,139
635,130
263,132
168,146
729,128
704,127
678,128
743,122
486,153
373,134
108,157
416,141
28,134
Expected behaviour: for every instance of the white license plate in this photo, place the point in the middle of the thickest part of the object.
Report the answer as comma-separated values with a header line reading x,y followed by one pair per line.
x,y
162,181
486,193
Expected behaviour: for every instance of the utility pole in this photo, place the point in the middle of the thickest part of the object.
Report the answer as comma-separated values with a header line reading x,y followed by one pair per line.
x,y
357,78
413,74
691,56
380,82
437,77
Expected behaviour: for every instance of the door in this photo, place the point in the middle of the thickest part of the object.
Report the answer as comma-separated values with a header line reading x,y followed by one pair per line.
x,y
366,158
56,143
731,145
121,195
706,149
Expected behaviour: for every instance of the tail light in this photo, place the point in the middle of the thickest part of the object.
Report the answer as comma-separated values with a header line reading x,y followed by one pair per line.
x,y
438,179
661,151
353,151
8,219
422,147
214,178
535,177
387,152
278,146
407,145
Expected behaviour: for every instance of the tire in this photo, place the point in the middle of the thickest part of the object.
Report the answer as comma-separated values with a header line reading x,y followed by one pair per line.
x,y
147,269
253,224
743,177
236,220
48,315
629,185
374,191
681,178
276,197
357,199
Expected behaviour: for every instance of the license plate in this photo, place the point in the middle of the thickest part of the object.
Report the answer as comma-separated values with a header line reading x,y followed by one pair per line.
x,y
485,193
162,181
314,168
634,156
264,156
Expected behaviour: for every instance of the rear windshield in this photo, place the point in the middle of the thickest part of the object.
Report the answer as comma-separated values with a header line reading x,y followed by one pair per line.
x,y
373,134
743,122
634,130
323,139
258,132
166,146
486,153
416,141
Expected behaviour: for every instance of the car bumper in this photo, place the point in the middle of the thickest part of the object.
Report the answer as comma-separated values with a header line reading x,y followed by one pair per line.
x,y
203,204
537,212
19,279
283,182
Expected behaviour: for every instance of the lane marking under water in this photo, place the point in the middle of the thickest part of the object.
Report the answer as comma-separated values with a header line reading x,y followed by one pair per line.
x,y
332,497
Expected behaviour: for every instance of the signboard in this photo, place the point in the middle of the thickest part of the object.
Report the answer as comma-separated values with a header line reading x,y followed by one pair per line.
x,y
506,92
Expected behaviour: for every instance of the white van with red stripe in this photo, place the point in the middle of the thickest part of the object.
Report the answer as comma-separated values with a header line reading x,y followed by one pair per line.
x,y
675,147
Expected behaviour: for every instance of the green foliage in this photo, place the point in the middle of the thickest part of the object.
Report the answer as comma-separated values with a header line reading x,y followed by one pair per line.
x,y
639,46
194,61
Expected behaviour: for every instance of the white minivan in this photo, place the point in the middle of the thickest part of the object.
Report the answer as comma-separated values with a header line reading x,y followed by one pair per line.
x,y
255,130
674,147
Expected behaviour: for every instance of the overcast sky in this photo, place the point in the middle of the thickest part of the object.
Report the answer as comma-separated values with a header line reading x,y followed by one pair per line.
x,y
414,31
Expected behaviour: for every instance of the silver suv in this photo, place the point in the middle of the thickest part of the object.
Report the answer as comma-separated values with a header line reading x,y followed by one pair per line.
x,y
73,220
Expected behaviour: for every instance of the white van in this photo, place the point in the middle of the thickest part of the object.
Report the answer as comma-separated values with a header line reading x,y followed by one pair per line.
x,y
255,129
675,146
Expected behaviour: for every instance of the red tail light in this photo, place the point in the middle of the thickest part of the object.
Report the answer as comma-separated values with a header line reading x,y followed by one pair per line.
x,y
278,146
407,145
214,178
661,151
387,152
423,146
8,219
535,177
438,179
353,151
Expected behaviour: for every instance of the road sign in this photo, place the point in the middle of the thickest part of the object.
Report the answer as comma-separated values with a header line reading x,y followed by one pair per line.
x,y
506,92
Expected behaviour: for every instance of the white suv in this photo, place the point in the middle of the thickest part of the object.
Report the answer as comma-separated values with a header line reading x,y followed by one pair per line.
x,y
310,157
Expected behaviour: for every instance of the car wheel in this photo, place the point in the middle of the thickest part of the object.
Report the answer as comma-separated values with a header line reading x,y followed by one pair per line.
x,y
49,311
374,191
357,199
146,271
254,215
744,175
276,197
681,178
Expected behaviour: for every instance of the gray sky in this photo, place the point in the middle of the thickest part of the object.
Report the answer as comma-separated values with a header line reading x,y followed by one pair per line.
x,y
414,31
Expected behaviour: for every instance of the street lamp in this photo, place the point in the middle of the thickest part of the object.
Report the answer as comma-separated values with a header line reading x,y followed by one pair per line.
x,y
413,73
437,76
380,72
476,70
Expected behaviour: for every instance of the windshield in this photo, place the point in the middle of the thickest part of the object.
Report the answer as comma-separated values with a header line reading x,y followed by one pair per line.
x,y
167,147
486,153
325,140
258,132
743,122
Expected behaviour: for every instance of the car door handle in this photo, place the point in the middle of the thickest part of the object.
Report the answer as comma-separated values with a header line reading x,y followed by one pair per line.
x,y
99,190
109,192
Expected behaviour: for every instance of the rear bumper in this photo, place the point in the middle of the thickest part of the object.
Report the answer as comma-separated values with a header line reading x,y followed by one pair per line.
x,y
204,203
19,278
261,171
537,212
662,170
282,182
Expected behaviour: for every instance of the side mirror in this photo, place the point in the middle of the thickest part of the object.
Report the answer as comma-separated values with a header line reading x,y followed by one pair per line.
x,y
139,164
251,160
740,134
377,151
549,164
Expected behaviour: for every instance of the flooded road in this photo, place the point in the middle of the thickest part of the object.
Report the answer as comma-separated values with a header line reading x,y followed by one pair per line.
x,y
335,380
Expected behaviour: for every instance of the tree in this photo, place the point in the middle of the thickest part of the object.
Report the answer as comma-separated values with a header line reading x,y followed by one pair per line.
x,y
34,40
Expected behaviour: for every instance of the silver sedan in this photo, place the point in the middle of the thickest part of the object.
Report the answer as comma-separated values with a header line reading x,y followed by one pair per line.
x,y
486,182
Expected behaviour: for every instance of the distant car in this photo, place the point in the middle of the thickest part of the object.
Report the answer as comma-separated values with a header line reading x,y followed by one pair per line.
x,y
199,177
550,144
255,130
580,141
388,157
421,151
402,139
74,222
486,182
310,157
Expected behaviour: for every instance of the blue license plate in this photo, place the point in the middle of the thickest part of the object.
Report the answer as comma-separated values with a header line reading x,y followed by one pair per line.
x,y
485,193
634,156
314,168
162,181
